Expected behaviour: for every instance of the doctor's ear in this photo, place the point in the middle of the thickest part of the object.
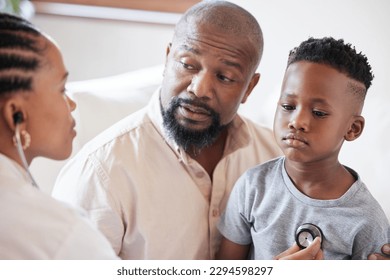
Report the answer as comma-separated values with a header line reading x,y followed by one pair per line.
x,y
13,113
356,129
18,118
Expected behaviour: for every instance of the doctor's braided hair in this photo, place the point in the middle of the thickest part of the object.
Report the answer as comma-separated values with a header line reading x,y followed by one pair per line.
x,y
20,54
338,55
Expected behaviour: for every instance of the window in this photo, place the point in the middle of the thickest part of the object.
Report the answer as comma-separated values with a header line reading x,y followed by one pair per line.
x,y
172,6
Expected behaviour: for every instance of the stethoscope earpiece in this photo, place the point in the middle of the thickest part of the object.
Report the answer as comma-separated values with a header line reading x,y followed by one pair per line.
x,y
18,119
306,233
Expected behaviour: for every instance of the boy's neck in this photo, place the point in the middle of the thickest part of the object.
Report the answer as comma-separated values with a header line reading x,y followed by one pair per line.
x,y
320,181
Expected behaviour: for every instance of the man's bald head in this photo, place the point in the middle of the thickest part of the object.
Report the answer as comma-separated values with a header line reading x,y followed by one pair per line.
x,y
227,18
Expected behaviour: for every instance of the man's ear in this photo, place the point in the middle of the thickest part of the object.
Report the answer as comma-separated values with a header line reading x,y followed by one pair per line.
x,y
355,129
253,82
168,50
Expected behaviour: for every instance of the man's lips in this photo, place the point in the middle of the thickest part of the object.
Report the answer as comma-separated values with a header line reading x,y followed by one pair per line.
x,y
194,113
196,109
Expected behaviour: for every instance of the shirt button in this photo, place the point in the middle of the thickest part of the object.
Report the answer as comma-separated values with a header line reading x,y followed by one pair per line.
x,y
215,213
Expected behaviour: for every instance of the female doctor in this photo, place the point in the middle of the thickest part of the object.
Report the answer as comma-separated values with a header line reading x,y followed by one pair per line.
x,y
35,120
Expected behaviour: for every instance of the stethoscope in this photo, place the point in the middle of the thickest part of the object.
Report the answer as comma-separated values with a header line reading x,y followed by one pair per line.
x,y
306,233
18,118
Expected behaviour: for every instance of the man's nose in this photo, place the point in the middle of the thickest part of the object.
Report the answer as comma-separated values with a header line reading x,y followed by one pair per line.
x,y
202,85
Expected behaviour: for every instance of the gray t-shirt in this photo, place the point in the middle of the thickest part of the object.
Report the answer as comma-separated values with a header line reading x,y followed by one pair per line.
x,y
265,209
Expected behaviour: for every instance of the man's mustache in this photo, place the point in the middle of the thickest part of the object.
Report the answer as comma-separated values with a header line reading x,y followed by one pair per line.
x,y
176,102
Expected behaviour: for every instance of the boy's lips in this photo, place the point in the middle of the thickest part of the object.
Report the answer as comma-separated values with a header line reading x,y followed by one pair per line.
x,y
294,140
295,137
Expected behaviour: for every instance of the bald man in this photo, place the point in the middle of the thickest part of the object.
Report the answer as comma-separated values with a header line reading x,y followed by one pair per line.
x,y
156,182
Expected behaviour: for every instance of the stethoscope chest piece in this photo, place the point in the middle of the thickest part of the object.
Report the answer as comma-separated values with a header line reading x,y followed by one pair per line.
x,y
306,233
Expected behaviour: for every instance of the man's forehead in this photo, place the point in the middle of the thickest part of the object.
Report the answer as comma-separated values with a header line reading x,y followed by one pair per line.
x,y
194,30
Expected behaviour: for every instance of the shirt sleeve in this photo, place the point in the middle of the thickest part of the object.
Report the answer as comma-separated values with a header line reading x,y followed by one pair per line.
x,y
372,236
84,242
84,183
234,224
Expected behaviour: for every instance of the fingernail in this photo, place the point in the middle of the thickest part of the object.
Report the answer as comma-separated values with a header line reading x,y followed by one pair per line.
x,y
372,257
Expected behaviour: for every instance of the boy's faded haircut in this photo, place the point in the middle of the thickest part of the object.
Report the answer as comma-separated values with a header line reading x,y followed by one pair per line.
x,y
338,55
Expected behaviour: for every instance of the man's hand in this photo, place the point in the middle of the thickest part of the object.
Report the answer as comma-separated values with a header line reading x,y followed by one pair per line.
x,y
312,252
384,256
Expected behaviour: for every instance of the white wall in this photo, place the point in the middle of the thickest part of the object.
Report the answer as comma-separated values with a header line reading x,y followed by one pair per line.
x,y
97,48
94,48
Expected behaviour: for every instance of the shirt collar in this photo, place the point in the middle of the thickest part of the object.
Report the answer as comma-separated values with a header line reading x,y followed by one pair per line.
x,y
238,132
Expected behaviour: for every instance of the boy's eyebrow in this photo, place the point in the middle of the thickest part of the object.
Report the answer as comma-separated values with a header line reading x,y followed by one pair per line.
x,y
320,100
288,94
314,100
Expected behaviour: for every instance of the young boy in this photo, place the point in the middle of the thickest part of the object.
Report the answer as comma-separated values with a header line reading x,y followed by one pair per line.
x,y
320,106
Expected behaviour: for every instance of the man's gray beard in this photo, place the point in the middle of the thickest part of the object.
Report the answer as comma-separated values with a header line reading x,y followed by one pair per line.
x,y
190,138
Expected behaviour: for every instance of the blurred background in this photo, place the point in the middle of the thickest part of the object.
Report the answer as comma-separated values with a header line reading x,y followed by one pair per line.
x,y
101,41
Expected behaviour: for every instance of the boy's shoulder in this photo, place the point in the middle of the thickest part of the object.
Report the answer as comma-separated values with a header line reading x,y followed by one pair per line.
x,y
269,168
271,164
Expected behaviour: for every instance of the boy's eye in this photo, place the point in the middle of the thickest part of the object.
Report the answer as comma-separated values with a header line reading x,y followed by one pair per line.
x,y
288,107
319,114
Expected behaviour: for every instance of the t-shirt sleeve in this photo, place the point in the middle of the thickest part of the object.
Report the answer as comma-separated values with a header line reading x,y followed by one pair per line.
x,y
372,236
234,223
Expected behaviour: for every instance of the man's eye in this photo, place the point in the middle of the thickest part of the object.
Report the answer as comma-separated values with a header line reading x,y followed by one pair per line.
x,y
224,78
187,66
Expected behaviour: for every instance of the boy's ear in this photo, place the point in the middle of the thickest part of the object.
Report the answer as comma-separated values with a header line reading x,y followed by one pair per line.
x,y
355,129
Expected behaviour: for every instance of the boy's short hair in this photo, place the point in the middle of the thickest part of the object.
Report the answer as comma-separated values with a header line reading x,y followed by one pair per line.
x,y
338,55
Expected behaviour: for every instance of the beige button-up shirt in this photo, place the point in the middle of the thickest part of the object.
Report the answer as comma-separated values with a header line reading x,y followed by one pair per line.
x,y
152,200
